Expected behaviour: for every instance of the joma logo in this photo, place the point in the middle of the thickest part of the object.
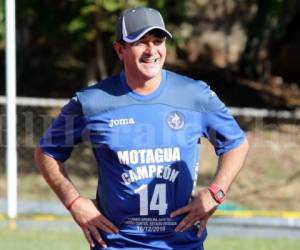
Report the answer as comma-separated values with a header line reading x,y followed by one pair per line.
x,y
121,122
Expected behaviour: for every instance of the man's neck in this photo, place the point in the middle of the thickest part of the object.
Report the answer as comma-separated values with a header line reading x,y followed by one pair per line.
x,y
143,86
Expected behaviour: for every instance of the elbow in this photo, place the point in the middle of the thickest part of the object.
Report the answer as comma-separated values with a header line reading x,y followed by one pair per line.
x,y
38,157
244,147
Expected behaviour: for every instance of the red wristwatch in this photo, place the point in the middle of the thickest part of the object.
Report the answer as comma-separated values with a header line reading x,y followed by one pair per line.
x,y
217,193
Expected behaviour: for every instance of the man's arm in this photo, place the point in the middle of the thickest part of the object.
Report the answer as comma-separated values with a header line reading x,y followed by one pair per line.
x,y
84,211
230,164
203,205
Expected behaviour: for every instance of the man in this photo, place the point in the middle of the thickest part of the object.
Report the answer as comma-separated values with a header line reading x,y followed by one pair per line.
x,y
144,125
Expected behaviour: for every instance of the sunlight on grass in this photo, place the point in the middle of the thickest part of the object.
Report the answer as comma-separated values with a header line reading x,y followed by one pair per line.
x,y
213,243
42,240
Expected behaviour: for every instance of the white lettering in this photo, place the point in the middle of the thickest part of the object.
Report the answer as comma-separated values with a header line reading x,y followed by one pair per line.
x,y
176,154
152,170
123,157
131,121
121,122
142,156
133,156
173,175
142,172
149,156
126,178
168,154
133,176
159,171
159,157
167,173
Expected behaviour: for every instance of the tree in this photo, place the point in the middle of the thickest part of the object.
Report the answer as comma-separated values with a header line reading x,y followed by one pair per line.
x,y
2,45
1,24
71,41
269,25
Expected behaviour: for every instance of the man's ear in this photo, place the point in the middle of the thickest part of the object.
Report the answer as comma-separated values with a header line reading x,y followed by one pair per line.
x,y
119,49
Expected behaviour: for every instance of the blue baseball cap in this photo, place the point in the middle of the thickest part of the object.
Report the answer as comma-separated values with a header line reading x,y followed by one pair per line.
x,y
135,23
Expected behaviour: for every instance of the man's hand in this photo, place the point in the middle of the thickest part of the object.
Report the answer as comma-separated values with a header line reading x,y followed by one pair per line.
x,y
89,218
198,212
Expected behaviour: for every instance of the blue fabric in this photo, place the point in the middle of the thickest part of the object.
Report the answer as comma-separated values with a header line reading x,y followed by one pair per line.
x,y
172,241
147,152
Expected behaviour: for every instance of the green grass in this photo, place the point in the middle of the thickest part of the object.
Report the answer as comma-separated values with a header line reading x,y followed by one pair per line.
x,y
213,243
42,240
74,240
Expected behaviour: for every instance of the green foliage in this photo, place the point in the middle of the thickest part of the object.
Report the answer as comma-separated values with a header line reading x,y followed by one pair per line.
x,y
93,17
269,23
81,21
173,11
75,25
111,5
65,34
277,10
280,12
90,18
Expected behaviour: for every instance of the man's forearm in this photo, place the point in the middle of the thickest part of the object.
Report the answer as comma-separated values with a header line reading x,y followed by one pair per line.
x,y
203,205
84,211
55,175
230,164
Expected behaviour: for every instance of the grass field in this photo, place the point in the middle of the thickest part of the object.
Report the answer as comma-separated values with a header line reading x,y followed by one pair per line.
x,y
73,240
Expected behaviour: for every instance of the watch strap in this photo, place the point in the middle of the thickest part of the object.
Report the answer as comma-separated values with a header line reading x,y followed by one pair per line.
x,y
217,193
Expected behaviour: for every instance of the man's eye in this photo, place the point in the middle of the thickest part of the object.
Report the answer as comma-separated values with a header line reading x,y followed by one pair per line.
x,y
158,41
137,43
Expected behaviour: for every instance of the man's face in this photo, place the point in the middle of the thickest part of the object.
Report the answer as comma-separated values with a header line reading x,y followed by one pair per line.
x,y
145,58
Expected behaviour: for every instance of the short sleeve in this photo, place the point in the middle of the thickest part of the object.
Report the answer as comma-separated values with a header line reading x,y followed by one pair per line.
x,y
219,126
65,132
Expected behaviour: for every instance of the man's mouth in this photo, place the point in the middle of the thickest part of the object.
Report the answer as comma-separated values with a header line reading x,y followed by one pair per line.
x,y
150,60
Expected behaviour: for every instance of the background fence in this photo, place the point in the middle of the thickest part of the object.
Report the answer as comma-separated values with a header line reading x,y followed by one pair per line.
x,y
273,162
34,115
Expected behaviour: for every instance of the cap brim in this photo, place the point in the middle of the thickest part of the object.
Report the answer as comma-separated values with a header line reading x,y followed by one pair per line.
x,y
137,35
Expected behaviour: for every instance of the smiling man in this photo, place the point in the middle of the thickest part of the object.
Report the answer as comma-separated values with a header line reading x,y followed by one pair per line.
x,y
144,125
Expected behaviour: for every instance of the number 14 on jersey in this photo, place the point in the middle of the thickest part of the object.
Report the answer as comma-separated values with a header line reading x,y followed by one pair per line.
x,y
158,201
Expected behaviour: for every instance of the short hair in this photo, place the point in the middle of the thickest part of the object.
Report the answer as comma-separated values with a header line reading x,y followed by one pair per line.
x,y
154,32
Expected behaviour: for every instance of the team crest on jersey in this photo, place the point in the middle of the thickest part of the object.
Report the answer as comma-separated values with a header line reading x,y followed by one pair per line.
x,y
175,120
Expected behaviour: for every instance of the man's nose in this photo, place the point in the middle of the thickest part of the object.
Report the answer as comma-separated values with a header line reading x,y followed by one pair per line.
x,y
150,48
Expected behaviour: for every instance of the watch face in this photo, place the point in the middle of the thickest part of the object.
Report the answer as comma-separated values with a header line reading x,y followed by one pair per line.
x,y
220,194
217,193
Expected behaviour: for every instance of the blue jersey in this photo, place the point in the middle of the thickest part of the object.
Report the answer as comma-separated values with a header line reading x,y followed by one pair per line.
x,y
147,149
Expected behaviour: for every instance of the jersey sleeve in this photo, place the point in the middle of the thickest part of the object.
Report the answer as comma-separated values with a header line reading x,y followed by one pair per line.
x,y
219,126
65,132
